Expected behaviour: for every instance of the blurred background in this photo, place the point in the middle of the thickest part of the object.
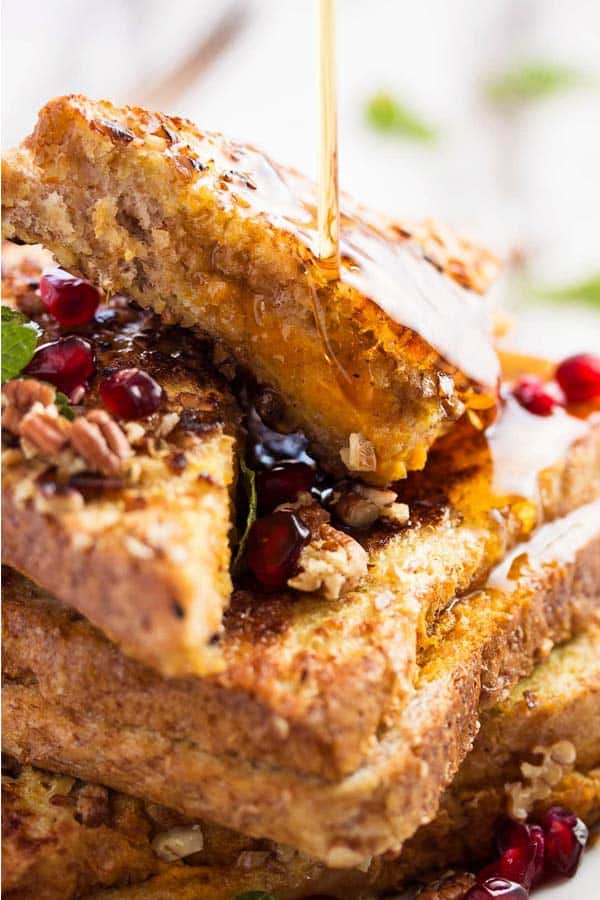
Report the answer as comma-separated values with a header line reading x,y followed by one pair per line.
x,y
483,113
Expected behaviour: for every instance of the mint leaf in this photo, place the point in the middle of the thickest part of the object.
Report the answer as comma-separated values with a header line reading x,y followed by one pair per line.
x,y
19,337
254,895
249,482
386,113
586,291
531,81
12,315
63,406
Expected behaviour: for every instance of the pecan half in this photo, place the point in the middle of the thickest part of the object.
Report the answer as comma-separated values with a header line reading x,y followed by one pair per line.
x,y
43,431
19,395
100,441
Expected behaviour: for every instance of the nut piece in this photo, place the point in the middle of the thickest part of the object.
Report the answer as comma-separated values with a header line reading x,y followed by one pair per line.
x,y
177,843
452,887
359,455
100,441
19,395
556,761
44,431
332,562
363,505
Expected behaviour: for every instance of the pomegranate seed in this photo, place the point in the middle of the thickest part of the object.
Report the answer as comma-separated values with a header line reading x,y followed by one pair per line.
x,y
66,363
497,887
273,548
71,300
565,838
537,837
515,864
533,396
511,833
282,484
522,852
579,377
131,394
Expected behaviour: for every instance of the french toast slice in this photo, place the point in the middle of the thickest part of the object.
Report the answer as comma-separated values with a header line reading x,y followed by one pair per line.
x,y
541,595
212,233
142,551
307,682
68,839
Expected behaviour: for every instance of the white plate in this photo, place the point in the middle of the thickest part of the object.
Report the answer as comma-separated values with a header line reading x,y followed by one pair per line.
x,y
585,885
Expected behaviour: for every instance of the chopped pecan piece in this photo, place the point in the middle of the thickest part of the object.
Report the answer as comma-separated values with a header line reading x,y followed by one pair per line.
x,y
359,455
332,562
453,887
100,441
363,505
19,395
44,431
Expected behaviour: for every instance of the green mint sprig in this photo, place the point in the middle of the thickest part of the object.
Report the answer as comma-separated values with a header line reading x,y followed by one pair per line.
x,y
19,338
387,114
586,292
532,81
249,483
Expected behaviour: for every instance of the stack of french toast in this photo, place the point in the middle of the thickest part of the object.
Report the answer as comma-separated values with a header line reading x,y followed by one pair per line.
x,y
302,582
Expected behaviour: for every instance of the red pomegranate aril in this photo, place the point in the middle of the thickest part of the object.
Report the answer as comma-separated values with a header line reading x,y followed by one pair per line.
x,y
579,377
511,833
273,548
537,837
521,849
533,396
497,887
70,300
66,363
515,864
131,394
565,838
283,484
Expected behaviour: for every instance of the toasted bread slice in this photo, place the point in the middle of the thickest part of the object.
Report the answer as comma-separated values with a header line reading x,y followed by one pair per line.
x,y
306,683
486,642
211,232
142,552
89,837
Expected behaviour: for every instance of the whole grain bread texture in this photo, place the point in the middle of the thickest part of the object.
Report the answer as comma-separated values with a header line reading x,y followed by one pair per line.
x,y
310,683
487,641
142,550
212,233
305,681
64,838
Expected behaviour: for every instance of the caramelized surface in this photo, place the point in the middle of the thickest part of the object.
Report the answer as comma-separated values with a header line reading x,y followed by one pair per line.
x,y
211,232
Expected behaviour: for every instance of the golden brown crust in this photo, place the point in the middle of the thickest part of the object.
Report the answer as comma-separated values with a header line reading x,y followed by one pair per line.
x,y
212,232
51,853
93,837
310,682
495,637
114,530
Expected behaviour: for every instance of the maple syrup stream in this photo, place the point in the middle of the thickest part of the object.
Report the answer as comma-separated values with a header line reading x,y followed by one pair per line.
x,y
329,209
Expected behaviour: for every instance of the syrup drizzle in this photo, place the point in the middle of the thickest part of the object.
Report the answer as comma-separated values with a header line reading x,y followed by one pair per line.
x,y
328,209
555,542
523,445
